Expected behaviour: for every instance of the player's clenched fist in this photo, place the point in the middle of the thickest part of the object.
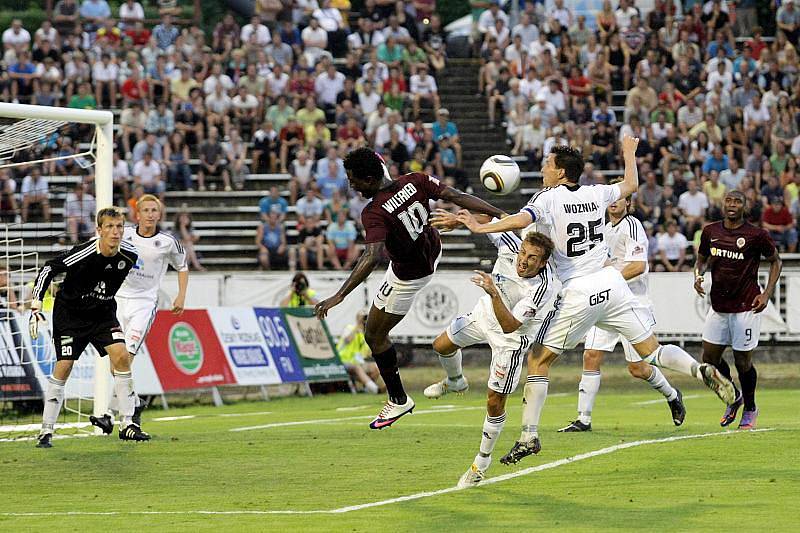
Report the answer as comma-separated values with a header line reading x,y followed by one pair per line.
x,y
33,322
629,144
698,285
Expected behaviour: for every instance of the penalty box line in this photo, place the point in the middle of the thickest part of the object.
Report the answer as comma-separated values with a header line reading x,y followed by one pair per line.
x,y
410,497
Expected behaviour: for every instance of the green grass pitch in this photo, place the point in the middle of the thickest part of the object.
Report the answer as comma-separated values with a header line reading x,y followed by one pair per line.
x,y
745,481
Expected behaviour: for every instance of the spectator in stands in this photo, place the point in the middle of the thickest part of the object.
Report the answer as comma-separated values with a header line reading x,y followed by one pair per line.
x,y
649,198
35,193
715,192
165,33
302,172
273,251
350,135
273,203
104,76
693,204
130,12
133,121
603,147
315,41
310,240
292,138
79,211
423,88
94,12
780,224
332,178
716,162
24,78
179,174
160,122
184,232
341,239
9,211
672,250
300,294
212,161
16,37
147,173
149,144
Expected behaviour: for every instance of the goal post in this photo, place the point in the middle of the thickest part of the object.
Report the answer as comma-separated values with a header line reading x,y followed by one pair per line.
x,y
32,125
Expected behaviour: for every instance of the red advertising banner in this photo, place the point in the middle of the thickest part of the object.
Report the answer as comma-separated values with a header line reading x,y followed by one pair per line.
x,y
186,352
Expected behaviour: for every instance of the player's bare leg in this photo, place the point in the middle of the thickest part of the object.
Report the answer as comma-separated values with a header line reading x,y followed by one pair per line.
x,y
53,401
712,354
540,358
492,427
126,396
376,333
449,355
674,358
748,377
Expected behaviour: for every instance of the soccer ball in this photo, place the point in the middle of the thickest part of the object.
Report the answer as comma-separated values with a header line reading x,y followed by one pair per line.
x,y
500,175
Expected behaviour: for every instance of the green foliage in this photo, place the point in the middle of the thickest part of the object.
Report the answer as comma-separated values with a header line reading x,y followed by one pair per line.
x,y
451,10
31,17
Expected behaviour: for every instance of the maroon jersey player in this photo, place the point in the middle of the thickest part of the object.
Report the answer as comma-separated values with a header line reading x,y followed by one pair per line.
x,y
395,220
732,250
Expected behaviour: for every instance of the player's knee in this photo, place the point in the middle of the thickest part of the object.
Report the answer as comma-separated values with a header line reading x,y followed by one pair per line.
x,y
640,370
443,345
743,362
495,403
592,359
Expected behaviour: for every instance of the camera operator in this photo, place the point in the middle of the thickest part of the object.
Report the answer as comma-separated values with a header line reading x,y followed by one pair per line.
x,y
300,294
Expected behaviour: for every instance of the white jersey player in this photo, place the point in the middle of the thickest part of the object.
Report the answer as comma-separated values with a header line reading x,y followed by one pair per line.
x,y
137,299
592,293
628,245
507,317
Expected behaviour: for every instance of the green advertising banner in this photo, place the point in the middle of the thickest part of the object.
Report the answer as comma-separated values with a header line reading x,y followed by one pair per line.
x,y
314,346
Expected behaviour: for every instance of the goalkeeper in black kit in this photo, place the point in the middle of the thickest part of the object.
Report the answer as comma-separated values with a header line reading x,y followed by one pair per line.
x,y
85,313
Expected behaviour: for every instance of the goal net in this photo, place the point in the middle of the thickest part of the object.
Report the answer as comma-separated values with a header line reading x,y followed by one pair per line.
x,y
55,173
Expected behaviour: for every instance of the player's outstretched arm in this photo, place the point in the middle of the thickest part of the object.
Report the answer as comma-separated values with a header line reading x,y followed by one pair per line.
x,y
473,203
775,266
366,264
521,220
630,183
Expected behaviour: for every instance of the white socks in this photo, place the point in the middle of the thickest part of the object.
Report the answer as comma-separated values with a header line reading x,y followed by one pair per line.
x,y
587,392
674,358
126,397
451,362
492,426
53,400
535,395
660,383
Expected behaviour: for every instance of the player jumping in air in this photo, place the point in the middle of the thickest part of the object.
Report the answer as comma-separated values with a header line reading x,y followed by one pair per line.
x,y
732,250
628,245
137,299
396,219
507,317
592,294
85,313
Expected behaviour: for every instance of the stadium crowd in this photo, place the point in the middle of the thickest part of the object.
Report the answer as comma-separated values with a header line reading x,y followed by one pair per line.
x,y
714,104
302,82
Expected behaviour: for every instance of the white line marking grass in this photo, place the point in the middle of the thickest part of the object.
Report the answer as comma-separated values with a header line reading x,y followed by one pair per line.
x,y
345,419
173,418
38,426
651,402
410,497
354,408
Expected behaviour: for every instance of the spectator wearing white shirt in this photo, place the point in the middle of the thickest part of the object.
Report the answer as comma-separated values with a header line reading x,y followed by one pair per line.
x,y
693,204
218,107
383,132
554,96
330,20
130,12
16,36
756,116
327,86
530,85
500,32
79,210
394,29
315,41
721,74
217,77
525,29
104,76
35,191
540,45
147,173
423,87
624,13
46,33
561,13
672,250
277,81
245,108
368,99
487,18
255,27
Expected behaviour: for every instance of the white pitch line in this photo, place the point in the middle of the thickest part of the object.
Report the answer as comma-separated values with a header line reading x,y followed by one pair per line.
x,y
345,419
354,408
55,437
417,496
650,402
173,418
254,413
35,427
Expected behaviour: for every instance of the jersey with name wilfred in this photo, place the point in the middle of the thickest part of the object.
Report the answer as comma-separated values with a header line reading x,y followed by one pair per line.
x,y
733,259
398,216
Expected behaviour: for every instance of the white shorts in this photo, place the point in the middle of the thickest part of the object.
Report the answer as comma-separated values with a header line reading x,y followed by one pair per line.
x,y
605,341
135,315
602,299
508,350
395,295
740,331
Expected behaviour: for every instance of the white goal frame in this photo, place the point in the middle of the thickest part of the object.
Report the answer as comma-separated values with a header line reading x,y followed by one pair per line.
x,y
103,193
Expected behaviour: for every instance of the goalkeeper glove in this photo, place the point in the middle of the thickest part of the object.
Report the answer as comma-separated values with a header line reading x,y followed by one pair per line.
x,y
36,317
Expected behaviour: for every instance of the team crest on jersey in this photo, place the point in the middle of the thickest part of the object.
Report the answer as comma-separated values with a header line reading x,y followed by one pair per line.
x,y
740,242
121,265
638,250
157,243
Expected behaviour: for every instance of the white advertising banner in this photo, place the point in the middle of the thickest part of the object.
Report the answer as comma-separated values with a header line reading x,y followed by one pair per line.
x,y
243,343
792,284
679,310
